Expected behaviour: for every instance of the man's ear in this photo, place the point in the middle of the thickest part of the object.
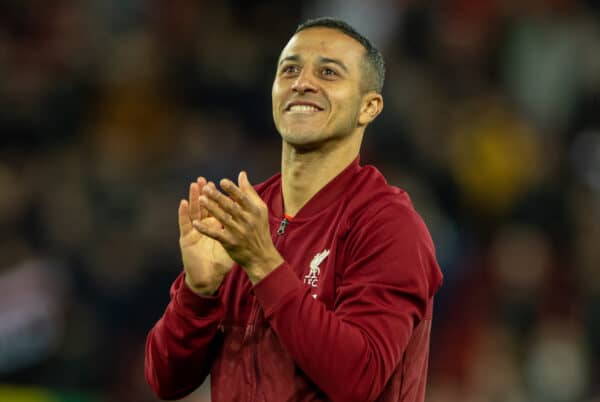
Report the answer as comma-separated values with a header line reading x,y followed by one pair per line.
x,y
371,107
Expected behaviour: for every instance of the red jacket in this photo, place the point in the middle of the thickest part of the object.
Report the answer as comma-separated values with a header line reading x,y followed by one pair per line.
x,y
346,317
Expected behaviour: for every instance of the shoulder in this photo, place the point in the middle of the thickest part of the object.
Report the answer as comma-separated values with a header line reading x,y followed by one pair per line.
x,y
371,200
382,220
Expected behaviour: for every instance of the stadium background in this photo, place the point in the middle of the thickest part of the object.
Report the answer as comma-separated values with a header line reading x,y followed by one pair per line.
x,y
108,108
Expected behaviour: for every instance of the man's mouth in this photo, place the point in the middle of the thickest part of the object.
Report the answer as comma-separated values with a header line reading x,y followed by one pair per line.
x,y
303,107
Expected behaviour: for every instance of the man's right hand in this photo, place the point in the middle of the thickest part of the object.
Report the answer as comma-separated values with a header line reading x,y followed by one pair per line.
x,y
205,261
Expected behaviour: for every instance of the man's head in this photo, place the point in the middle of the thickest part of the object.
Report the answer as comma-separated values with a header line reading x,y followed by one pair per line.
x,y
328,84
373,68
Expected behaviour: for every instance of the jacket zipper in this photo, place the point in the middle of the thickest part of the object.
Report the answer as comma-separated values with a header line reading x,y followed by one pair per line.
x,y
282,226
254,311
250,329
254,315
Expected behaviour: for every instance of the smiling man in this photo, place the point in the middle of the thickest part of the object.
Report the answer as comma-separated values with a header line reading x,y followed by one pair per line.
x,y
318,284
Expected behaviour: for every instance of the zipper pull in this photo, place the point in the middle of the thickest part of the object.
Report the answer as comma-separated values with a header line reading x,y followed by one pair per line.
x,y
282,226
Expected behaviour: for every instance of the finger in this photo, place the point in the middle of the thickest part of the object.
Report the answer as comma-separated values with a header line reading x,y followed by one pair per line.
x,y
194,205
218,213
236,194
226,203
217,234
250,192
185,224
201,183
245,185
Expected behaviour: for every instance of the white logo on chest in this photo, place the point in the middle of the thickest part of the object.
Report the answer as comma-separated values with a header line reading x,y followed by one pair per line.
x,y
312,278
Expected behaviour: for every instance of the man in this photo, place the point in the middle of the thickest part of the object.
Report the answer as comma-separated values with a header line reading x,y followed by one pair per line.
x,y
317,284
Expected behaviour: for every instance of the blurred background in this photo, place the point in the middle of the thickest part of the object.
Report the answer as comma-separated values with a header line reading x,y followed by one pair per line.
x,y
109,108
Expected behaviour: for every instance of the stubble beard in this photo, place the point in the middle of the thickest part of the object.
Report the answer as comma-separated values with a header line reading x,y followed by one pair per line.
x,y
301,141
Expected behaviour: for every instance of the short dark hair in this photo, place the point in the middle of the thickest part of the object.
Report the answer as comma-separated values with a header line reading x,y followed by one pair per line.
x,y
374,66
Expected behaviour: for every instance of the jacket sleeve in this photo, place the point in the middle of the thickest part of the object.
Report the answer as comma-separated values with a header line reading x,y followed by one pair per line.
x,y
387,283
181,345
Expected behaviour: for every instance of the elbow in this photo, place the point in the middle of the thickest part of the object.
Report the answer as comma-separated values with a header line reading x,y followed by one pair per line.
x,y
160,394
152,380
163,393
165,384
358,393
366,386
168,378
160,388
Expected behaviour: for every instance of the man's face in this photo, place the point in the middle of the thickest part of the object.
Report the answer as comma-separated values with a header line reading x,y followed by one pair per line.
x,y
317,88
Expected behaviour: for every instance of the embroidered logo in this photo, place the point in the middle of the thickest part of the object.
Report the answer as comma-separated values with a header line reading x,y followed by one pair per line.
x,y
312,278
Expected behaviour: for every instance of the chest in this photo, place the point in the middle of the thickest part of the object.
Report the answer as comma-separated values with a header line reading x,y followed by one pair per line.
x,y
315,250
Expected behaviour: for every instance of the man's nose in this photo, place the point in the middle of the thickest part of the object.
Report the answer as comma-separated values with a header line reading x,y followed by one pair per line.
x,y
304,82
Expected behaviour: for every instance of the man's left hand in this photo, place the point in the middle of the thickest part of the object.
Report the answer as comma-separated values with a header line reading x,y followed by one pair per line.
x,y
245,219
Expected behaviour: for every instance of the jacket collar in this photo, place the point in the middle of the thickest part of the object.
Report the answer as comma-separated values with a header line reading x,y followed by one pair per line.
x,y
327,196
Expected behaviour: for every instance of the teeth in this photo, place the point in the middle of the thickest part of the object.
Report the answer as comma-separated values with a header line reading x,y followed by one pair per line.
x,y
303,108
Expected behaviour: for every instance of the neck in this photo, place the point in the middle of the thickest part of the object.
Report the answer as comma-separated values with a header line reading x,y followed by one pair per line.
x,y
305,173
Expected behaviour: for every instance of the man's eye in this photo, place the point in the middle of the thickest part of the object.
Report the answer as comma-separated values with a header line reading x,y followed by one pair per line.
x,y
291,69
329,72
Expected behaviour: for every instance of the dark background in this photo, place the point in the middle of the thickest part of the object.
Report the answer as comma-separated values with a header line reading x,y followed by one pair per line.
x,y
109,108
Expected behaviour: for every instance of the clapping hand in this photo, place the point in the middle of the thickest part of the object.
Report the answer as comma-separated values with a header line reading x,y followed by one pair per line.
x,y
242,226
205,261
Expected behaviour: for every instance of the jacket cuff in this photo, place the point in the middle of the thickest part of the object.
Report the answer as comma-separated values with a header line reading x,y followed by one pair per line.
x,y
191,303
273,290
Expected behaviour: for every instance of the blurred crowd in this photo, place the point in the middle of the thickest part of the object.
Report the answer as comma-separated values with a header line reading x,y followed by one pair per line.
x,y
109,108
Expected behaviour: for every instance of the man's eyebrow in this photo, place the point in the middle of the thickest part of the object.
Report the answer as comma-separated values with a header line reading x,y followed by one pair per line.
x,y
324,60
293,57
